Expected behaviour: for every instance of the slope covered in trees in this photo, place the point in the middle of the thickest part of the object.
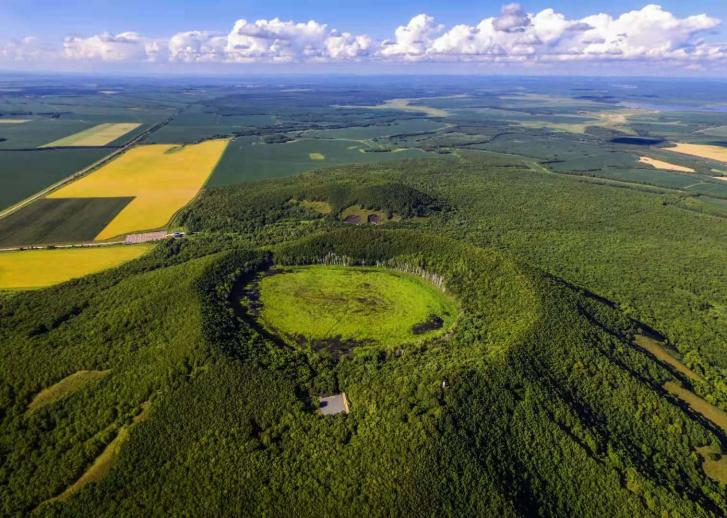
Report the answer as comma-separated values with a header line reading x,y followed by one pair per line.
x,y
537,403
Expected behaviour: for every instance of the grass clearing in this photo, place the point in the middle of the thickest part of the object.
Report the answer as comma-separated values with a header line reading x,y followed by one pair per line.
x,y
99,135
13,121
666,166
715,464
699,405
321,207
162,179
316,156
658,351
64,388
30,269
328,305
716,153
104,462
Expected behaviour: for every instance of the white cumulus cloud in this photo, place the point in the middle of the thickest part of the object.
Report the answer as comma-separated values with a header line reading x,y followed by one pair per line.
x,y
286,41
650,34
125,46
200,46
29,48
513,19
413,39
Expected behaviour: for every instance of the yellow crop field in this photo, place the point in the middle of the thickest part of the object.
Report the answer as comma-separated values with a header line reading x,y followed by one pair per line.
x,y
666,166
717,153
162,178
29,269
97,136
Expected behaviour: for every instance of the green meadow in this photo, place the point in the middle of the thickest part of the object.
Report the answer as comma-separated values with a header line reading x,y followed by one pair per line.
x,y
360,305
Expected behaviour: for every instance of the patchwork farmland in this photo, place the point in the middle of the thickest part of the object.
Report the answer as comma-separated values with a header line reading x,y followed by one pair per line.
x,y
477,286
161,178
100,135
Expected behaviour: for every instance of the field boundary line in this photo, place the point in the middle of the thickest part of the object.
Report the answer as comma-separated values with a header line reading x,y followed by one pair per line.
x,y
83,172
201,190
68,245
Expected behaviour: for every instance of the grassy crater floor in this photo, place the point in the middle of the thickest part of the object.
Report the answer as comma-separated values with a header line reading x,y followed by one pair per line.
x,y
339,307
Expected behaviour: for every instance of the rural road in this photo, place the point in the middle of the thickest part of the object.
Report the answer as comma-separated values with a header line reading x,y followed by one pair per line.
x,y
51,247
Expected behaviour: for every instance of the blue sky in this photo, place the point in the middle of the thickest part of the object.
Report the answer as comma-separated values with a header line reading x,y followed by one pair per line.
x,y
378,18
207,34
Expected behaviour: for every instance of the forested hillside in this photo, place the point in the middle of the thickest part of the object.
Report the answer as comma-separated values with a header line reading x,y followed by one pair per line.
x,y
151,389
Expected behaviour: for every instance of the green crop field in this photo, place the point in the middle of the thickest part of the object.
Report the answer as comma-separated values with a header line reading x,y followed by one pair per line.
x,y
195,124
38,132
59,220
247,159
323,305
23,173
398,127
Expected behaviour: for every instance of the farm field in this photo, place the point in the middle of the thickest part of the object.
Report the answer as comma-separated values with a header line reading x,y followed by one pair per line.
x,y
666,166
537,329
37,132
161,178
398,127
247,159
716,153
100,135
196,123
327,306
405,105
24,173
29,269
59,220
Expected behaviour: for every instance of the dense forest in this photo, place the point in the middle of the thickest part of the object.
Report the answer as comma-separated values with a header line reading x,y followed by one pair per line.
x,y
536,404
